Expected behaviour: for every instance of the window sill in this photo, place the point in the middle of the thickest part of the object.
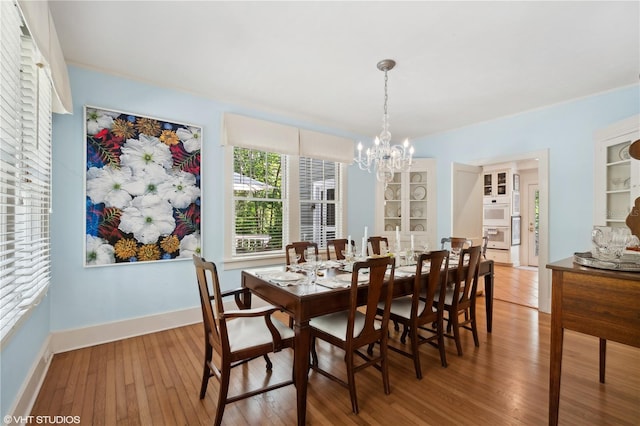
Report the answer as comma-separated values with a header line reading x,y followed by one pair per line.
x,y
254,261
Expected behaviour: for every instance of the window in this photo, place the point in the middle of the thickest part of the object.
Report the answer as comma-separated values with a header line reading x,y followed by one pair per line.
x,y
25,172
283,185
318,182
258,206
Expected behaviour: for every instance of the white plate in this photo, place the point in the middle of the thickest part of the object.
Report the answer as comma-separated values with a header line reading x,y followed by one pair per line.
x,y
284,276
390,211
419,193
624,153
388,194
388,228
399,194
418,228
416,212
416,178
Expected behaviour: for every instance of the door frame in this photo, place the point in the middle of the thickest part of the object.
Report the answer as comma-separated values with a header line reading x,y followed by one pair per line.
x,y
544,275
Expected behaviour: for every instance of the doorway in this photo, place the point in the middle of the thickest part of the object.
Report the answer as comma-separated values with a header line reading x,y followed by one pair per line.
x,y
533,168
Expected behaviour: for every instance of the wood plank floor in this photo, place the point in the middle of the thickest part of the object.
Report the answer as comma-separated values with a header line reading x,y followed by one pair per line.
x,y
516,285
154,380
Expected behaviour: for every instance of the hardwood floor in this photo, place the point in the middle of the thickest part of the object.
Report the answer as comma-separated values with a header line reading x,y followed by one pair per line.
x,y
516,285
154,380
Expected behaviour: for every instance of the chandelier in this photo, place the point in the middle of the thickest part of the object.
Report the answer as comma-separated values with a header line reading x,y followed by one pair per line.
x,y
385,158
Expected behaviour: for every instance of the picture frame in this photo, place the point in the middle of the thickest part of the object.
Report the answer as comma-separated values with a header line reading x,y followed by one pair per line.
x,y
142,188
515,230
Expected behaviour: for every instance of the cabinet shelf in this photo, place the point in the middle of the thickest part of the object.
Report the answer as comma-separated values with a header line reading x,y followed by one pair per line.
x,y
408,202
617,177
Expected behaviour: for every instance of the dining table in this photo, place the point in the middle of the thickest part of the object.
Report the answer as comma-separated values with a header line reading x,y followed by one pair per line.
x,y
305,301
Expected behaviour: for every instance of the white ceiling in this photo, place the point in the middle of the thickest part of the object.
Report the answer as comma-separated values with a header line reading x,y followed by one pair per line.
x,y
458,62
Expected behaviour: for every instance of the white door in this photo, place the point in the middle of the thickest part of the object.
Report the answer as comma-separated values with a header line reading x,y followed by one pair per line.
x,y
533,227
466,199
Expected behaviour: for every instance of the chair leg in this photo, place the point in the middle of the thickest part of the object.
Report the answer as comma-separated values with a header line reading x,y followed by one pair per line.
x,y
415,351
206,373
456,332
222,395
269,364
384,367
351,380
314,354
405,331
396,326
443,354
474,328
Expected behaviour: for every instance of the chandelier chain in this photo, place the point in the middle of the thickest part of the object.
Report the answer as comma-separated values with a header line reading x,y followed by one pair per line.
x,y
386,97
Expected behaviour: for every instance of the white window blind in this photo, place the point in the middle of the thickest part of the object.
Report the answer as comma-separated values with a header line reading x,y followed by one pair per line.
x,y
320,205
25,172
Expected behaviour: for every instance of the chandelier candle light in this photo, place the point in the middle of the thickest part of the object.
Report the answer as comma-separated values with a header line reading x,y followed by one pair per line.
x,y
386,159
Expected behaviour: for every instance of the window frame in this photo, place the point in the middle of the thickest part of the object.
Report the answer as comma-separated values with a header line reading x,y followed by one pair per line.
x,y
291,211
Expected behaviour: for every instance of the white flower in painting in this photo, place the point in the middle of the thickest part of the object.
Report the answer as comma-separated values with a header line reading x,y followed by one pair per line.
x,y
190,138
180,189
148,217
190,245
109,186
146,182
99,252
98,120
145,154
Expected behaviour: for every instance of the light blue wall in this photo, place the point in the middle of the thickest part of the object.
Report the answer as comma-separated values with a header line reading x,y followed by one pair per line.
x,y
20,352
566,130
86,296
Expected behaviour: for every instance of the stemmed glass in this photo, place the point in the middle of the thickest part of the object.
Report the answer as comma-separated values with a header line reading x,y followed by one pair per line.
x,y
349,257
295,263
311,266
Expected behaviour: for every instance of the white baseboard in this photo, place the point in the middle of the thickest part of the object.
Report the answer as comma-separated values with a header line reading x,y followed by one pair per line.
x,y
28,393
66,340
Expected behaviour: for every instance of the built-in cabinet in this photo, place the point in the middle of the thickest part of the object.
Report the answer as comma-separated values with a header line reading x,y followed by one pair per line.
x,y
501,213
616,174
407,204
496,184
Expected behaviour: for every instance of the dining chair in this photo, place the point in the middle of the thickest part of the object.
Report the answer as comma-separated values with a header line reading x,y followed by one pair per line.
x,y
460,299
357,326
235,337
337,246
419,312
299,248
375,244
455,244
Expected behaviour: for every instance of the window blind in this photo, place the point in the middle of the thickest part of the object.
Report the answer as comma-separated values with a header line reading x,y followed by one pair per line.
x,y
25,172
319,200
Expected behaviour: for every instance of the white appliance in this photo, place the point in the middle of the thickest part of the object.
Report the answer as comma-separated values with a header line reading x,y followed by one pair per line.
x,y
496,215
499,236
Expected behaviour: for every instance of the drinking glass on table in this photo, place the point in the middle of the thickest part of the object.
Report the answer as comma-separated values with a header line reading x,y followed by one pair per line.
x,y
311,266
295,263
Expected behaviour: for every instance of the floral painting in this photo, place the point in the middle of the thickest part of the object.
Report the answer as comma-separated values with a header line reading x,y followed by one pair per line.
x,y
142,188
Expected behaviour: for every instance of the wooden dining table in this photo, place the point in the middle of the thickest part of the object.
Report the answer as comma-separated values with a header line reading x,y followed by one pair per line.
x,y
303,302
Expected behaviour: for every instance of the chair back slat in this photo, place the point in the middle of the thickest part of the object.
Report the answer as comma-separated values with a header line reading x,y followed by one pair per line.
x,y
300,248
467,278
375,243
336,247
378,290
436,282
212,307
